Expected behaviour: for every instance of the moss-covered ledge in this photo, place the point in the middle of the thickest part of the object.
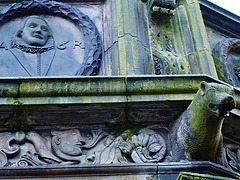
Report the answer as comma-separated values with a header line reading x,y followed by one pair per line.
x,y
50,101
99,89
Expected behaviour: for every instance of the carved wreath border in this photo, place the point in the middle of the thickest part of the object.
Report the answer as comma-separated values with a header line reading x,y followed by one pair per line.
x,y
93,43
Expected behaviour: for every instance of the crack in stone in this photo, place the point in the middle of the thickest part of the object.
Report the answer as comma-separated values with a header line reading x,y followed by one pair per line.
x,y
115,42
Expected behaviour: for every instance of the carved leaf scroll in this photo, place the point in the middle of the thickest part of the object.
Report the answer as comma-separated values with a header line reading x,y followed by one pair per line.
x,y
232,157
73,147
145,147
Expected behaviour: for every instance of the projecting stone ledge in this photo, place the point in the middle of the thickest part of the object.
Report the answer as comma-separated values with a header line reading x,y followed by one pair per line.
x,y
58,100
99,89
63,100
166,171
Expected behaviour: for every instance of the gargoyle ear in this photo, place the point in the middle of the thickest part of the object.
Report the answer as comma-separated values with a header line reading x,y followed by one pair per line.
x,y
203,88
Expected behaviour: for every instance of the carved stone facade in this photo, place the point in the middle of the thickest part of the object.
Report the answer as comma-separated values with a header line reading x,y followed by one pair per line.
x,y
139,89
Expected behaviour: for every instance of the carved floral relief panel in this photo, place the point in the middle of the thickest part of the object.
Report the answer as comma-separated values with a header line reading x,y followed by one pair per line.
x,y
71,146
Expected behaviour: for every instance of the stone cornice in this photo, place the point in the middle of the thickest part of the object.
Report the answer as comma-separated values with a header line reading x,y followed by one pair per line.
x,y
153,169
220,19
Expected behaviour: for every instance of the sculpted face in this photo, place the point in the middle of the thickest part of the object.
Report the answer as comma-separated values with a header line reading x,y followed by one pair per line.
x,y
35,32
69,142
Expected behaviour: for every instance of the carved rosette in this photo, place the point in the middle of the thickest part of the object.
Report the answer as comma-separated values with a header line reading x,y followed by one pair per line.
x,y
92,39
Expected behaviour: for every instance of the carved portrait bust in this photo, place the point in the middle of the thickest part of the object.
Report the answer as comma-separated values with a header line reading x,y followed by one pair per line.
x,y
32,52
35,32
59,41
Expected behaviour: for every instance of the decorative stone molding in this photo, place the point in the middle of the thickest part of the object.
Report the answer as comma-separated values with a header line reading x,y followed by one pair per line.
x,y
231,157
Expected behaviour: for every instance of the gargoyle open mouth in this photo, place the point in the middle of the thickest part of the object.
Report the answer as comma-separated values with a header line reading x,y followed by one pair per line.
x,y
222,109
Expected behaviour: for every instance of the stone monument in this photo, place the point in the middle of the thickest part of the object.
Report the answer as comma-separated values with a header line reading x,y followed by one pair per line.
x,y
118,89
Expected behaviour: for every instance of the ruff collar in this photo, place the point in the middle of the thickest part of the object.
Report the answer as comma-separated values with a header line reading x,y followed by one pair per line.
x,y
32,49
